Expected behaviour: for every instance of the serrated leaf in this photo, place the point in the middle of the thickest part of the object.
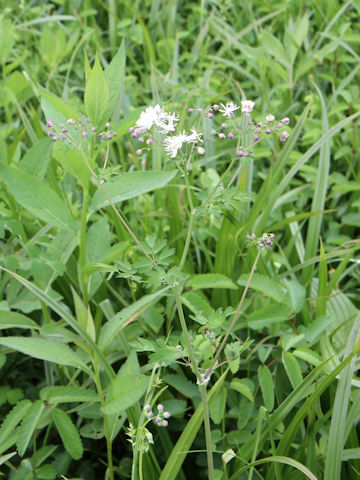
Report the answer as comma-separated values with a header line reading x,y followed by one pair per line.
x,y
58,394
68,433
16,320
130,185
45,350
13,418
97,94
266,386
242,387
217,405
292,369
263,284
313,332
36,159
28,425
115,75
210,280
266,316
123,392
295,295
38,198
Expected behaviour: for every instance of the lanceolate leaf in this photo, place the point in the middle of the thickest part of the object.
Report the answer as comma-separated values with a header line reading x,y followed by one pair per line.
x,y
58,394
68,433
28,425
210,280
96,94
16,320
13,418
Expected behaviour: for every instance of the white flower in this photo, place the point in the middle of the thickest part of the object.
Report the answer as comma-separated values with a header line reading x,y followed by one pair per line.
x,y
228,109
168,127
151,116
194,137
247,106
174,143
270,117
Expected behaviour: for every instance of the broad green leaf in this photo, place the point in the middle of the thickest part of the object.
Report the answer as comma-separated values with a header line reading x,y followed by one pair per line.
x,y
73,163
36,159
265,285
45,350
58,394
115,75
123,392
16,320
267,386
68,433
5,458
182,385
55,108
127,315
197,302
97,94
292,369
38,198
13,418
83,315
217,405
295,295
130,185
317,327
28,425
242,387
210,280
266,316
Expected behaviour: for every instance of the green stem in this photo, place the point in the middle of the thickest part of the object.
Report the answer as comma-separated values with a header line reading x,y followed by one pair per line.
x,y
107,429
207,426
191,223
236,316
82,246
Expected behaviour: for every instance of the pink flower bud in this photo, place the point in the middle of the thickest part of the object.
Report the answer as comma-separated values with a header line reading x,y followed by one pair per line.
x,y
49,123
221,136
230,135
138,151
190,110
240,153
84,134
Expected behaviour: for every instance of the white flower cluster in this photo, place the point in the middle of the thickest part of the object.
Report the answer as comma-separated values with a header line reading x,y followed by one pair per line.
x,y
174,143
166,122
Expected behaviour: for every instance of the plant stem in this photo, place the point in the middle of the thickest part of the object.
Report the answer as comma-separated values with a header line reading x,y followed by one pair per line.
x,y
84,211
236,316
107,429
191,223
207,426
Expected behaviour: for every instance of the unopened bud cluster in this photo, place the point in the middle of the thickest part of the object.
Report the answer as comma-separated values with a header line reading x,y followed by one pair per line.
x,y
265,241
64,132
161,419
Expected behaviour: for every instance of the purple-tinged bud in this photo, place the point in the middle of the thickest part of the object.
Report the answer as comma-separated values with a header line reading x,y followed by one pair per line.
x,y
141,139
107,124
256,138
230,135
270,117
147,407
54,138
80,120
87,120
150,415
221,136
167,414
247,154
109,137
284,136
133,135
254,236
84,134
100,135
190,110
164,423
248,236
210,115
268,131
272,235
160,407
286,120
63,137
138,131
223,126
201,150
149,141
269,242
70,121
93,129
259,130
158,420
240,153
49,123
50,132
114,134
259,124
138,151
131,129
216,107
64,130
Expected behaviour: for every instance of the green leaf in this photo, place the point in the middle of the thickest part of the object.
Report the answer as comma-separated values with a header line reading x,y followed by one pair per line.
x,y
84,316
68,433
295,295
73,163
217,405
242,387
58,394
266,386
266,316
16,320
292,369
97,94
13,418
28,426
36,159
5,458
45,350
197,302
38,198
131,185
210,280
123,392
115,75
55,108
313,332
265,285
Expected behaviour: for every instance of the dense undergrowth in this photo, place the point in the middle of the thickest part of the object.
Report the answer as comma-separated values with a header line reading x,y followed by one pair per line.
x,y
145,331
